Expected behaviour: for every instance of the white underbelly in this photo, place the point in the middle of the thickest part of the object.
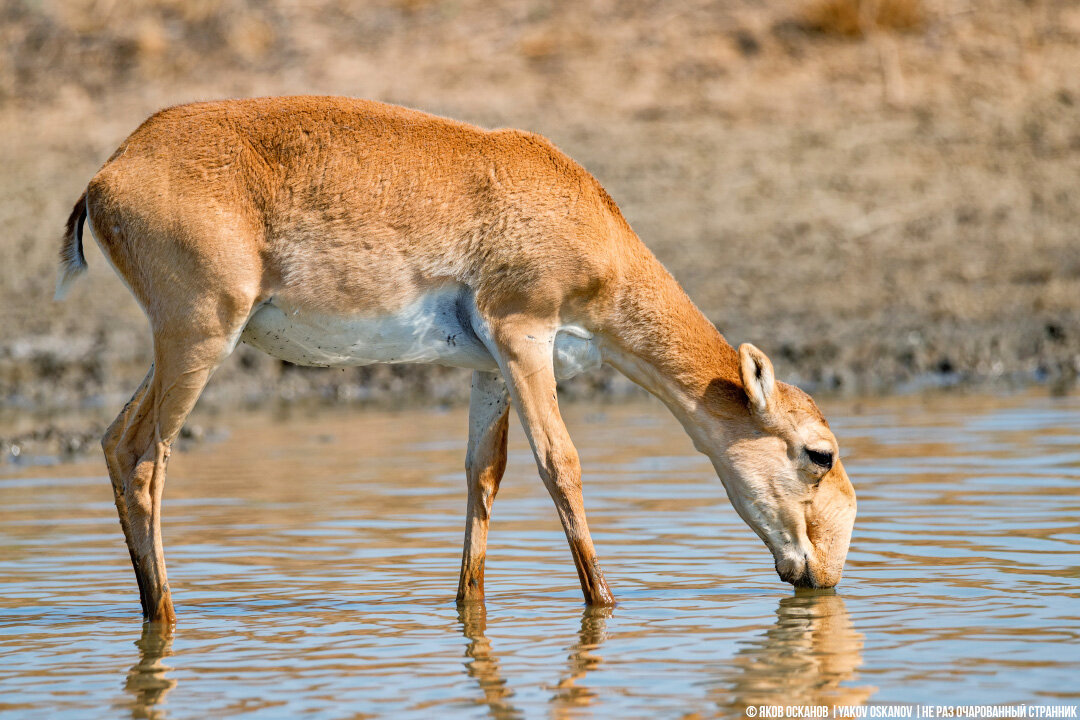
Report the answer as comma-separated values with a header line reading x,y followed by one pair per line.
x,y
439,328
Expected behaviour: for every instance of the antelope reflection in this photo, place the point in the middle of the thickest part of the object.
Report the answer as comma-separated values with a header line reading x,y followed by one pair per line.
x,y
482,664
803,659
569,692
146,681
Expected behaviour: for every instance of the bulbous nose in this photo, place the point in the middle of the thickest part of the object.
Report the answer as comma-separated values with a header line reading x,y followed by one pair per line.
x,y
793,567
821,577
829,523
801,570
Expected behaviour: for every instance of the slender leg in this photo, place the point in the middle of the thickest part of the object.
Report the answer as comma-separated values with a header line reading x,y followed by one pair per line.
x,y
109,444
139,452
485,461
525,356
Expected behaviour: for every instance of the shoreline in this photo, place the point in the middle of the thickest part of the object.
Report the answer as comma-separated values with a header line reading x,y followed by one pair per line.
x,y
43,435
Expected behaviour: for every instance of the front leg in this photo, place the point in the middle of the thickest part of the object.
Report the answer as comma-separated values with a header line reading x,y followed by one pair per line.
x,y
485,461
524,352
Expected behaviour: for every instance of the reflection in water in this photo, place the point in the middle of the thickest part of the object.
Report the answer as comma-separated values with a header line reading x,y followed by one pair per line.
x,y
962,585
582,659
146,681
803,658
482,665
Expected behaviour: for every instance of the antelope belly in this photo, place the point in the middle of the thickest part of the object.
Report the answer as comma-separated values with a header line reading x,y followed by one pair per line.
x,y
435,329
438,328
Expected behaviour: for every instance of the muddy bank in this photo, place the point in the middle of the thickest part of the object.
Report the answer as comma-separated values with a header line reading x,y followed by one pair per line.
x,y
52,375
60,409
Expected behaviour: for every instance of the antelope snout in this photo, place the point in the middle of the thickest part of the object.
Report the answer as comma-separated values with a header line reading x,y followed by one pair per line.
x,y
800,569
793,567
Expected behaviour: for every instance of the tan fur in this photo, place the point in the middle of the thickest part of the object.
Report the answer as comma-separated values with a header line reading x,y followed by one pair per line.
x,y
489,419
348,207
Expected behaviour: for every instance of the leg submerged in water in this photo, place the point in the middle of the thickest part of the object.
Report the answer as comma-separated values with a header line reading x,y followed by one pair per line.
x,y
485,461
525,357
137,448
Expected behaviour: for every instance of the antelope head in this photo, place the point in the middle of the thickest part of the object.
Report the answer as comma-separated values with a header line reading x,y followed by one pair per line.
x,y
780,465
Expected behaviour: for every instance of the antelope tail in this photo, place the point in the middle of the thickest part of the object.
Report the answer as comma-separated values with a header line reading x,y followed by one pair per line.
x,y
72,260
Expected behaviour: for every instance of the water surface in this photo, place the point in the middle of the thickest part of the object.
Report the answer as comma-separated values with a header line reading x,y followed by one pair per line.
x,y
314,561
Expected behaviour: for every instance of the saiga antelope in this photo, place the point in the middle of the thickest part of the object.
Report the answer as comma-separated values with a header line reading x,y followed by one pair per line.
x,y
337,232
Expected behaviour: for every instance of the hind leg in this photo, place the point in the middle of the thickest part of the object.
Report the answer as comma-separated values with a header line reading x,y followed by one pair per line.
x,y
109,444
183,362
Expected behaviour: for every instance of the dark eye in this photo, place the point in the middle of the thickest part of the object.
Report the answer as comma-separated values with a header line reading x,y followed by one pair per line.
x,y
822,459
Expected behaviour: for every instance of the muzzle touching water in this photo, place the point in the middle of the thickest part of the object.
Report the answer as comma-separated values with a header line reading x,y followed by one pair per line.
x,y
797,570
806,527
796,567
817,561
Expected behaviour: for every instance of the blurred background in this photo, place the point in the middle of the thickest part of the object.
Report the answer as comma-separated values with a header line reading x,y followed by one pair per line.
x,y
883,195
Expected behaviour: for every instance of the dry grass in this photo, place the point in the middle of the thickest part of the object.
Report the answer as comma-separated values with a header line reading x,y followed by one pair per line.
x,y
856,18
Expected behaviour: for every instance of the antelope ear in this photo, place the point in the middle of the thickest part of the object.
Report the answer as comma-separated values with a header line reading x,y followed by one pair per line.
x,y
757,377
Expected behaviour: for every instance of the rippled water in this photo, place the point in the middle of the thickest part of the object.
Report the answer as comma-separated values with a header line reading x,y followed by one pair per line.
x,y
314,563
